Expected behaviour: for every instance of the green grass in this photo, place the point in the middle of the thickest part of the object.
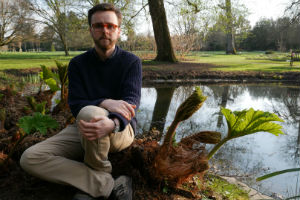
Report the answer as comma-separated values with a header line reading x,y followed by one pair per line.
x,y
213,185
245,61
225,189
25,60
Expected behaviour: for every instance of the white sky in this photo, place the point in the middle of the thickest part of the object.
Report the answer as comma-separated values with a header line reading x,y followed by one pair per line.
x,y
258,9
265,9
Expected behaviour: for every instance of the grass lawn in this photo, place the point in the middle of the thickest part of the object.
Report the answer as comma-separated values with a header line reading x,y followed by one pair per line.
x,y
244,61
24,60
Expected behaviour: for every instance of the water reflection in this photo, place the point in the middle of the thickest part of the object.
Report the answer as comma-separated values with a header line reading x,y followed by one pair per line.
x,y
247,157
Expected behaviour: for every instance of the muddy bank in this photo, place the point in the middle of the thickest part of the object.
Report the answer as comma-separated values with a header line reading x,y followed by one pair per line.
x,y
207,76
194,73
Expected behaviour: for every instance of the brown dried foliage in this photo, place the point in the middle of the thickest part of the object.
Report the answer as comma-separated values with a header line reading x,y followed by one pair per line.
x,y
208,137
178,163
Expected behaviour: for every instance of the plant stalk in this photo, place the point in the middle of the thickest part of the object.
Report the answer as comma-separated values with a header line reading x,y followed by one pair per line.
x,y
170,134
216,148
12,151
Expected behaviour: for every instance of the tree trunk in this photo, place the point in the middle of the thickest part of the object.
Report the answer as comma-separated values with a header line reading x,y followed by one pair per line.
x,y
230,43
64,42
298,140
161,108
165,50
223,104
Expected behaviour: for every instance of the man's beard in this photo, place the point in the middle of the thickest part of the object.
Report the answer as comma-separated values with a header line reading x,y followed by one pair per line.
x,y
109,43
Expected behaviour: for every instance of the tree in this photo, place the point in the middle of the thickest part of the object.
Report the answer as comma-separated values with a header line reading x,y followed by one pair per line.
x,y
232,20
294,10
188,35
27,38
53,13
263,35
13,14
78,36
47,39
230,43
165,50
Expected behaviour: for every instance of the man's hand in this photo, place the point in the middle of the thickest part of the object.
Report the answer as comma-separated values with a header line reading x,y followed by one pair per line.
x,y
119,106
96,128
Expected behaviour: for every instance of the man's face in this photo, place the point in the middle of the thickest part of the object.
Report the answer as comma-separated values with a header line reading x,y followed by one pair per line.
x,y
105,29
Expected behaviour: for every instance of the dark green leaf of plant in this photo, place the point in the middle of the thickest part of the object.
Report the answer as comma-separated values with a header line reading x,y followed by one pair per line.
x,y
37,122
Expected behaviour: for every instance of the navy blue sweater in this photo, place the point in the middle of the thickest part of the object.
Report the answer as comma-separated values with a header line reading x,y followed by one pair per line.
x,y
92,80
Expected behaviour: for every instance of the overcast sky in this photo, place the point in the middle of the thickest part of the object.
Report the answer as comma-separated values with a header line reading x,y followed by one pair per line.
x,y
258,9
265,9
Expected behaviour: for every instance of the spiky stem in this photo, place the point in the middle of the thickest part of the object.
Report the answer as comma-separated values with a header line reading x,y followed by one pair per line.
x,y
170,133
216,148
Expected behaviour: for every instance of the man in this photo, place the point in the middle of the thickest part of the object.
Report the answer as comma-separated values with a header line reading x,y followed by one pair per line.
x,y
104,94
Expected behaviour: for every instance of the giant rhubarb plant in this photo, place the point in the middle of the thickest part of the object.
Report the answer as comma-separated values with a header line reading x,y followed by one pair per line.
x,y
174,163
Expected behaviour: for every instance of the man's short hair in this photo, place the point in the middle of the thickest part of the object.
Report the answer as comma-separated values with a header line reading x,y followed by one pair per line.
x,y
104,7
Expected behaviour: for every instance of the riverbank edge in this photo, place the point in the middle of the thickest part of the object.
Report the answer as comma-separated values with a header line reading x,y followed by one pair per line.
x,y
218,77
191,75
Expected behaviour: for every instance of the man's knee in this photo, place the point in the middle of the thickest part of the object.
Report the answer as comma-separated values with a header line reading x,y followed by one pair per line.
x,y
89,112
26,159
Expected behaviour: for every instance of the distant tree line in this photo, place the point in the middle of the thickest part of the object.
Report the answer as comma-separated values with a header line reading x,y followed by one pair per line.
x,y
52,25
267,34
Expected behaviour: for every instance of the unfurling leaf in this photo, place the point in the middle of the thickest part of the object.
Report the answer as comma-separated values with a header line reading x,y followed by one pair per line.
x,y
51,82
190,105
185,110
208,137
37,122
250,121
62,72
41,107
46,73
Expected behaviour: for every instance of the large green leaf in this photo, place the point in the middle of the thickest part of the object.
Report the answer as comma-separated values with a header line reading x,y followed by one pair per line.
x,y
250,121
37,122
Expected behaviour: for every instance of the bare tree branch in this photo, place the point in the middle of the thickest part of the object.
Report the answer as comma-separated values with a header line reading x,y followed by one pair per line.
x,y
138,12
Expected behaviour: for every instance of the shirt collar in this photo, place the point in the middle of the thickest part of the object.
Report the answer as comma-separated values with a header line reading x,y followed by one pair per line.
x,y
110,57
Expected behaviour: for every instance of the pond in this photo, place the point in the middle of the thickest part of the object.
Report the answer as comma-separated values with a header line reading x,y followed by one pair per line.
x,y
245,158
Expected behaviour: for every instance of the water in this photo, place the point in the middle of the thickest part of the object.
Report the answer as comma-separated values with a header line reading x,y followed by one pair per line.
x,y
245,158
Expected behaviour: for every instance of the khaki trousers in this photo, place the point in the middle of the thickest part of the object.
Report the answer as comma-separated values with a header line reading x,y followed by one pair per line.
x,y
59,158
